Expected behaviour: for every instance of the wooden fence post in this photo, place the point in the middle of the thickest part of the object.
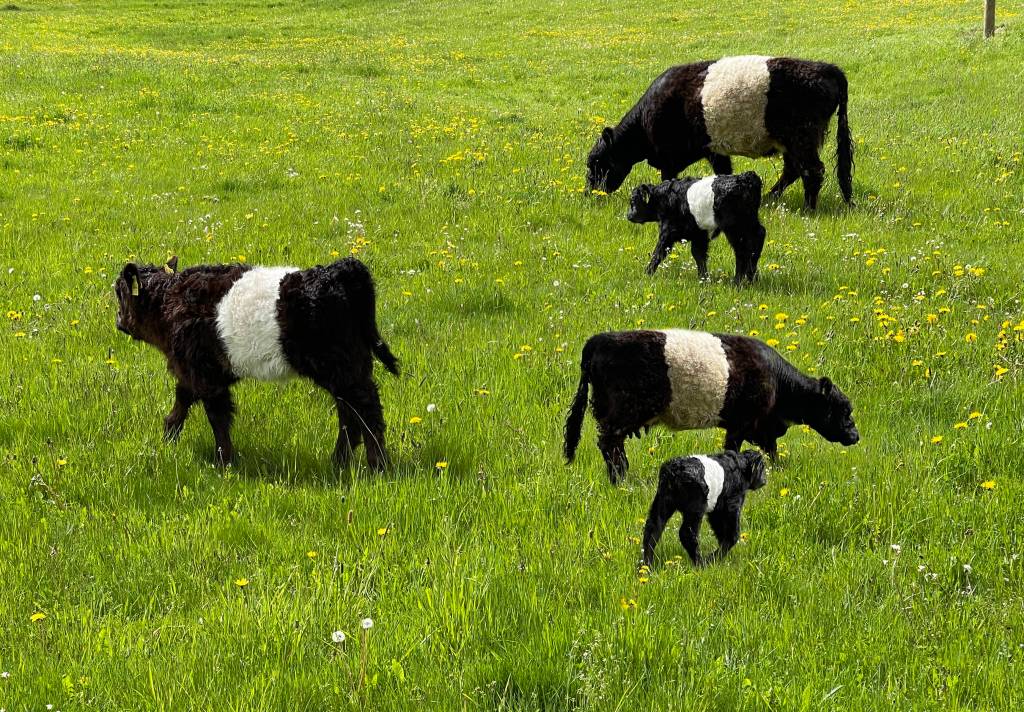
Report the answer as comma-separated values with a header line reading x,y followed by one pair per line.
x,y
990,17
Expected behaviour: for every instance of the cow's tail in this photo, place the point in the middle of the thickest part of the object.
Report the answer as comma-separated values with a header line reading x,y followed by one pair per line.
x,y
362,297
574,423
844,143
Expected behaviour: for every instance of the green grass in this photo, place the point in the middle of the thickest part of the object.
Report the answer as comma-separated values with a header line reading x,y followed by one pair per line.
x,y
444,142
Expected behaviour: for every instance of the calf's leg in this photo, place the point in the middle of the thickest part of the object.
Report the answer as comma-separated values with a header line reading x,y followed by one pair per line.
x,y
364,400
661,511
350,433
699,249
726,526
220,412
689,534
175,420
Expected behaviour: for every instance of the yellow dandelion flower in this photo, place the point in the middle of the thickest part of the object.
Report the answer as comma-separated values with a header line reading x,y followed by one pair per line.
x,y
441,465
772,342
1001,370
382,531
415,419
971,338
744,537
936,439
975,414
959,426
311,554
784,492
988,484
37,616
241,582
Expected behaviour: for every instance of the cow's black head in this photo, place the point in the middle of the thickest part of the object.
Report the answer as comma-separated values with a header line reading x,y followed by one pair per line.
x,y
641,205
605,169
754,472
832,415
137,299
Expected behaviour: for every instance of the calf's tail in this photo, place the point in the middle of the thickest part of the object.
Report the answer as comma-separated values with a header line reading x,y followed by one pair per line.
x,y
844,143
363,298
574,423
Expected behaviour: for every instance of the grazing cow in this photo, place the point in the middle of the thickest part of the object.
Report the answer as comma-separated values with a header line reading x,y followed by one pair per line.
x,y
737,106
715,486
697,210
690,380
217,324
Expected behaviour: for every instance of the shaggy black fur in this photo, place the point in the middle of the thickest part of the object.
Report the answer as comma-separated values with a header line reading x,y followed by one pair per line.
x,y
666,128
737,201
329,334
682,488
765,395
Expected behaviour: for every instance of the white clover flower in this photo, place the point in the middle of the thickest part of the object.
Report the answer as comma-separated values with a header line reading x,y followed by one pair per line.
x,y
430,409
367,623
5,675
36,297
338,636
897,548
967,568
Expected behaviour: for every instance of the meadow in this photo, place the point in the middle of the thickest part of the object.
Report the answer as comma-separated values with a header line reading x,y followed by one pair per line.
x,y
444,143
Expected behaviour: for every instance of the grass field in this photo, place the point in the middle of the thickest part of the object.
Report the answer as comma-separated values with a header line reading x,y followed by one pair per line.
x,y
444,143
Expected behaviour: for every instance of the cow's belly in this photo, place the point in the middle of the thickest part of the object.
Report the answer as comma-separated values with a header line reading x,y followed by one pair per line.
x,y
734,98
698,372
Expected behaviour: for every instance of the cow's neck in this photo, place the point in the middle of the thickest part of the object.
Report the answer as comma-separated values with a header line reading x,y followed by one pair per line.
x,y
630,139
796,396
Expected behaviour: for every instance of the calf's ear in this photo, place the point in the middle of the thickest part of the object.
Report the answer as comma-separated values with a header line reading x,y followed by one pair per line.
x,y
826,385
608,134
172,265
130,274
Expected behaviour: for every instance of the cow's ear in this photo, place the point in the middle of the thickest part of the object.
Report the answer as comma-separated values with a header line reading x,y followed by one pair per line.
x,y
172,265
130,274
826,385
645,192
608,134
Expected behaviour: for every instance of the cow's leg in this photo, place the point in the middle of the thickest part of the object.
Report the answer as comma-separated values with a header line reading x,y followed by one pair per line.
x,y
733,441
726,526
721,165
790,172
175,420
699,243
220,412
612,443
689,533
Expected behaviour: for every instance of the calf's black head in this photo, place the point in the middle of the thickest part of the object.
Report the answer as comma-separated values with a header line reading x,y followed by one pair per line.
x,y
605,168
831,414
754,472
642,205
138,288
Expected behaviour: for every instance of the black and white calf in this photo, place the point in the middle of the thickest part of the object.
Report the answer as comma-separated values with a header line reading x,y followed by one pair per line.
x,y
217,324
697,210
715,486
691,380
738,106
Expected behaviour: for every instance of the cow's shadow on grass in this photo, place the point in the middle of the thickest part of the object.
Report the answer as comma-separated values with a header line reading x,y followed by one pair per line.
x,y
315,468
